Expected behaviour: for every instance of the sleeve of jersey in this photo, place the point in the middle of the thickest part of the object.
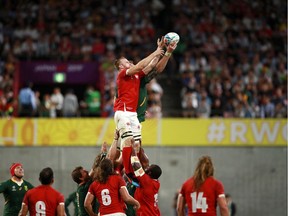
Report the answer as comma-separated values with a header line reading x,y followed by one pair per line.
x,y
61,198
121,181
182,190
90,190
122,73
144,179
141,74
2,187
25,199
30,186
219,189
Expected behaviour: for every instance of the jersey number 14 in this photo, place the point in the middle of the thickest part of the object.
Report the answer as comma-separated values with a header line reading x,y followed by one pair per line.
x,y
198,202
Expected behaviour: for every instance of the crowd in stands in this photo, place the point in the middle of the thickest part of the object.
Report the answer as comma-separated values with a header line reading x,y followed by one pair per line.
x,y
234,61
231,58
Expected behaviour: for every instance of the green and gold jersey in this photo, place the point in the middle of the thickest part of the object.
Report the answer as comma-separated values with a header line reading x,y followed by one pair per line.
x,y
81,194
130,211
143,97
13,194
72,198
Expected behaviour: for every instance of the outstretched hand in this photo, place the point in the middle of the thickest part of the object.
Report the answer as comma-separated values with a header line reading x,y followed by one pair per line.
x,y
171,47
161,42
116,134
104,147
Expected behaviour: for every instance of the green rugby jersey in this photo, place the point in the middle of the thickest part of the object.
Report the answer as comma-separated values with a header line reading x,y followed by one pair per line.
x,y
72,198
130,211
81,194
13,195
143,97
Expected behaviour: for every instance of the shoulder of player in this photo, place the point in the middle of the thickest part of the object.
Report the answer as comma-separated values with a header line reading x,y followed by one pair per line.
x,y
5,184
213,180
27,182
189,180
122,72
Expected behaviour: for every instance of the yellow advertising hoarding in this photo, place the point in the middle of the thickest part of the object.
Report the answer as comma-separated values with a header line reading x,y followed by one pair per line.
x,y
155,132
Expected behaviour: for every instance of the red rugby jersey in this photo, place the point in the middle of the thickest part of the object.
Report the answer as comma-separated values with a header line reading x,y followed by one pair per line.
x,y
205,199
147,196
43,200
108,194
127,91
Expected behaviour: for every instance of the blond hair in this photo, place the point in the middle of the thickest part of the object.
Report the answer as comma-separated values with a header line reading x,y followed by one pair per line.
x,y
203,170
117,62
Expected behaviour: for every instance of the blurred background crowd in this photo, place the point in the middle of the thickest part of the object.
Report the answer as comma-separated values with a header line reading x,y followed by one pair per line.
x,y
231,60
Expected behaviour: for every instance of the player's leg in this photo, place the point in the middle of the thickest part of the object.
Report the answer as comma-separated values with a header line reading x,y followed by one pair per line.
x,y
123,125
137,131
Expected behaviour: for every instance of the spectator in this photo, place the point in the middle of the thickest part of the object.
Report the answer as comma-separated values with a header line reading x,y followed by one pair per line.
x,y
46,110
92,102
27,101
155,93
65,48
70,104
267,109
204,108
254,47
38,104
231,205
57,102
189,104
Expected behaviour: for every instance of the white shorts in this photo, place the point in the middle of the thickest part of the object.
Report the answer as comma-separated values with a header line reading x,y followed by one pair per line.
x,y
127,121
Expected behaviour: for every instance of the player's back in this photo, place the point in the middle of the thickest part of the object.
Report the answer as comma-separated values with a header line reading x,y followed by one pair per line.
x,y
204,200
147,195
108,194
43,200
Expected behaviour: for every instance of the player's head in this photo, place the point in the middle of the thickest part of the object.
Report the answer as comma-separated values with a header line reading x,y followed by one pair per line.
x,y
98,159
104,170
16,169
154,171
204,169
46,176
123,63
79,175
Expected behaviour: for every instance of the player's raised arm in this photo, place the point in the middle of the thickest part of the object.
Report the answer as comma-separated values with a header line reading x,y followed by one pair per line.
x,y
144,62
113,152
164,60
136,164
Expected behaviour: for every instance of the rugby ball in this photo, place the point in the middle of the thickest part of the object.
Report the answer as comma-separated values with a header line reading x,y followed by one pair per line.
x,y
171,37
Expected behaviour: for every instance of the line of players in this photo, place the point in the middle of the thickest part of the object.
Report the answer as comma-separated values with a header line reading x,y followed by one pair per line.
x,y
104,168
104,190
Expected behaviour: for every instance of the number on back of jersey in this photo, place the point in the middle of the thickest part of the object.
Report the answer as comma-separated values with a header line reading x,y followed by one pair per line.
x,y
198,202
